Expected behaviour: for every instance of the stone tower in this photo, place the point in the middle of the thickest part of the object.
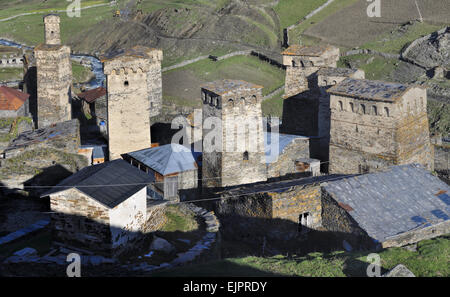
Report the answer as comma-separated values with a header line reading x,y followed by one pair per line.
x,y
377,124
131,90
52,31
303,61
54,76
233,139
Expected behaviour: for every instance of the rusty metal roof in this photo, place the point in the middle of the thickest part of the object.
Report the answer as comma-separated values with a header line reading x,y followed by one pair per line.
x,y
304,50
222,87
92,95
11,99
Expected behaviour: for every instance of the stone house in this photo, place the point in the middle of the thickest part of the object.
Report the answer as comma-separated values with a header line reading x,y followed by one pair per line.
x,y
377,124
172,167
396,207
13,103
94,103
233,140
101,208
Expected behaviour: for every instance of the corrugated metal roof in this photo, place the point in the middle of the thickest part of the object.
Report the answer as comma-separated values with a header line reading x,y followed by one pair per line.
x,y
397,200
11,99
109,183
283,139
166,159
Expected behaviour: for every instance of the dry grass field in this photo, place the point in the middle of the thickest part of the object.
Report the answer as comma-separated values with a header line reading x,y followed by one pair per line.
x,y
351,27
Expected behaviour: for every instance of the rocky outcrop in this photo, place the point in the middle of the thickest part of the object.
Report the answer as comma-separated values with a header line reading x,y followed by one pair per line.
x,y
399,271
430,51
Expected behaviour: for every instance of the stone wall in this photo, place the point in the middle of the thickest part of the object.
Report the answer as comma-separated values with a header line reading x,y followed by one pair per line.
x,y
79,220
285,163
337,220
54,80
417,235
154,83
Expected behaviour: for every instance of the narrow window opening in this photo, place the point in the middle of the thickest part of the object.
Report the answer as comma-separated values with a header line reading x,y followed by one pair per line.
x,y
245,156
386,111
126,83
304,222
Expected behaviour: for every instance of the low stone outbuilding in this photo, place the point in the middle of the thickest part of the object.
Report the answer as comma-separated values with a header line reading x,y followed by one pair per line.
x,y
94,103
172,166
281,159
101,208
13,103
399,206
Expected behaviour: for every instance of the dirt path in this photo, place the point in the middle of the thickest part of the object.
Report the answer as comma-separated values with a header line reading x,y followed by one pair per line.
x,y
40,12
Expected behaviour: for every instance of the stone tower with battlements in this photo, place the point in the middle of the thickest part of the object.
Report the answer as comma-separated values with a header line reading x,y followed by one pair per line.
x,y
303,61
377,124
131,90
54,76
233,139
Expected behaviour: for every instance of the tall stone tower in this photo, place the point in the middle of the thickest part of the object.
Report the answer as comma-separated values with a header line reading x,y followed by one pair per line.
x,y
52,31
303,61
233,139
54,76
377,124
131,90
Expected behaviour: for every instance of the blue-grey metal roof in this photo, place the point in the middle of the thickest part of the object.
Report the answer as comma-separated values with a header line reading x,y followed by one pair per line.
x,y
283,141
109,183
394,201
166,159
99,152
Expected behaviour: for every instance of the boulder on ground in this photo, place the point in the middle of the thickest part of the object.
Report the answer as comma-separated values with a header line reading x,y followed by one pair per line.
x,y
161,245
399,271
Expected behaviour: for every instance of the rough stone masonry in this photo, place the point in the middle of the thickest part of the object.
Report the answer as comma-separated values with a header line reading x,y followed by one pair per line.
x,y
54,76
129,104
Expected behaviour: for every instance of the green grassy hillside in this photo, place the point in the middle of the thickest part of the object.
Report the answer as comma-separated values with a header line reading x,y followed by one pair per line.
x,y
430,259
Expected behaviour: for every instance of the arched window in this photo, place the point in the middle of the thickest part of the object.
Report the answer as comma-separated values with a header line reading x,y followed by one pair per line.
x,y
242,101
254,99
334,82
204,97
341,106
325,82
352,107
363,109
245,156
386,111
374,110
294,64
230,102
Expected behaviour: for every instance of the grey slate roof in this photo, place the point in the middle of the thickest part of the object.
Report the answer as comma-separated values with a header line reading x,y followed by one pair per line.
x,y
222,87
331,71
283,139
166,159
369,89
392,202
109,183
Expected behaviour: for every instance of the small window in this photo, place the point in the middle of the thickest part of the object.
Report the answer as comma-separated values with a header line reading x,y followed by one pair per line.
x,y
304,222
293,63
126,83
230,102
374,110
245,156
341,106
363,109
352,107
386,111
334,82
